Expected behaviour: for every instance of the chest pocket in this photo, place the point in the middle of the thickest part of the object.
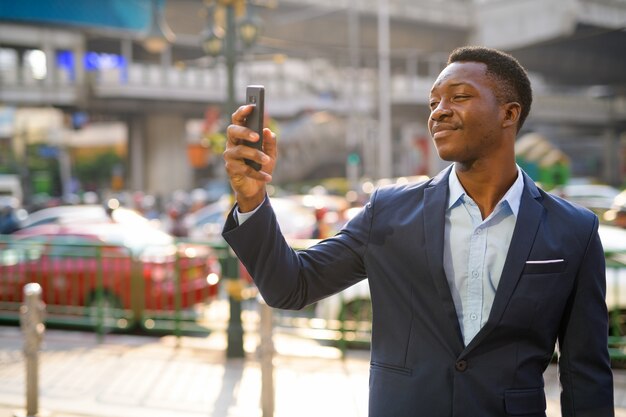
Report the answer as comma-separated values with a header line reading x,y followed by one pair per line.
x,y
545,267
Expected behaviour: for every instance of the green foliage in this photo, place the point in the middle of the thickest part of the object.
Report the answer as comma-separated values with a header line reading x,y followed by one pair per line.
x,y
97,170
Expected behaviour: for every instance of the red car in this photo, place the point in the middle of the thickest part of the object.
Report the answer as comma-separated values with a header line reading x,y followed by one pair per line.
x,y
138,269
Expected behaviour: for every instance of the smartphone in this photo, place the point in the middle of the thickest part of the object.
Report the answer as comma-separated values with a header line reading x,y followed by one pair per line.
x,y
255,94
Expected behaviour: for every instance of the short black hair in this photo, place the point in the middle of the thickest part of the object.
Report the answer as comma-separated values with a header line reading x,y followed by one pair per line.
x,y
513,84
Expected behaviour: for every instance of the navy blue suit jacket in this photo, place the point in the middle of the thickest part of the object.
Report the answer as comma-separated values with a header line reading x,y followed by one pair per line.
x,y
419,364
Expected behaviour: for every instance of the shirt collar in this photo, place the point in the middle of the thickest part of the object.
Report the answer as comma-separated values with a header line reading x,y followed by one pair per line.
x,y
513,196
455,189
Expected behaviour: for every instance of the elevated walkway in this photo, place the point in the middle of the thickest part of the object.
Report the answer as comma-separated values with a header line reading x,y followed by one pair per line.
x,y
293,86
455,13
512,25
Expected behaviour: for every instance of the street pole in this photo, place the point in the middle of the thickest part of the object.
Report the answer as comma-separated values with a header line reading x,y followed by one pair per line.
x,y
384,97
230,53
234,348
354,131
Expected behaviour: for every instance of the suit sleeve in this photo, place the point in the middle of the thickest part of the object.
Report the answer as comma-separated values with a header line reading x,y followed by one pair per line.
x,y
291,279
584,364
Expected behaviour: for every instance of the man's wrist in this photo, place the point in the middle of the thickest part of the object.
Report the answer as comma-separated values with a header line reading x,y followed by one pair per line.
x,y
242,217
246,205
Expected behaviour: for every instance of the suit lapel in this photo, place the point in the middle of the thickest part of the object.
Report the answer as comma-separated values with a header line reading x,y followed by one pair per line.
x,y
435,200
528,220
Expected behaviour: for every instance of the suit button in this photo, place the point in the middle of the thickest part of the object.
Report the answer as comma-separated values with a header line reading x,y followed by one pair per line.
x,y
461,365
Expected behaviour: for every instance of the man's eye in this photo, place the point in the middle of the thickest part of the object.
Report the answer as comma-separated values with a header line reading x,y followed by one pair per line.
x,y
461,97
433,104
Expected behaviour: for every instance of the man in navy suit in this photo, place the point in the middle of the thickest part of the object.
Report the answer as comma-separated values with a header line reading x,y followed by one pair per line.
x,y
475,275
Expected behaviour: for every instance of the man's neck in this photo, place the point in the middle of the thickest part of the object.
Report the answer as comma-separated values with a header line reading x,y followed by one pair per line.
x,y
486,183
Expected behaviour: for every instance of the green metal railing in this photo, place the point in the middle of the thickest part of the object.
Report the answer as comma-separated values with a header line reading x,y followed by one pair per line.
x,y
345,330
111,293
105,288
616,272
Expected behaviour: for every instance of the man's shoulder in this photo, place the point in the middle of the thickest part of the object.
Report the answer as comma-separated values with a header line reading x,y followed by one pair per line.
x,y
566,215
566,207
401,190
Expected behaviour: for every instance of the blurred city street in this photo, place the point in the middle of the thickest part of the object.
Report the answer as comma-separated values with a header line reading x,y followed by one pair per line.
x,y
138,376
115,186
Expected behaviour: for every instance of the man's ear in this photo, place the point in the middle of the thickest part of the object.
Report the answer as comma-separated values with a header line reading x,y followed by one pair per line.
x,y
512,112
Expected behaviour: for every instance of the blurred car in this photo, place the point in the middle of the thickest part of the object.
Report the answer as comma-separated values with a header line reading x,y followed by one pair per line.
x,y
329,210
216,189
295,220
616,215
117,265
614,243
613,238
10,214
207,222
619,202
82,213
353,303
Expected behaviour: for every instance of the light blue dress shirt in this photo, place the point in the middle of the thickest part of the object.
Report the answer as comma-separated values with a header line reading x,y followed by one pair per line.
x,y
475,251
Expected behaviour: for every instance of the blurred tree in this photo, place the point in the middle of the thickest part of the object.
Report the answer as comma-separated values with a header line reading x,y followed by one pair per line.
x,y
97,172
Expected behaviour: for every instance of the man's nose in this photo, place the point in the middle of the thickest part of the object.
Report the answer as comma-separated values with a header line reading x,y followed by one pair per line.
x,y
440,112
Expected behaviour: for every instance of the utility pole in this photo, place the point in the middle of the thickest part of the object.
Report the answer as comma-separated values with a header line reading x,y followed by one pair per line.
x,y
354,132
384,94
246,31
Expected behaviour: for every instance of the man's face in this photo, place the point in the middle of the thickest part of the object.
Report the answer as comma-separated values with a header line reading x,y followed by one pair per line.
x,y
465,116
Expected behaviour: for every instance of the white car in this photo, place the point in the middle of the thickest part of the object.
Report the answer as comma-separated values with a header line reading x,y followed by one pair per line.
x,y
353,303
614,242
295,220
83,213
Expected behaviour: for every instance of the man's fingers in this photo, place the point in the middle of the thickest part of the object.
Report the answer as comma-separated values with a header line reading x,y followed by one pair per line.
x,y
247,152
237,133
248,183
269,143
239,173
241,152
239,116
236,152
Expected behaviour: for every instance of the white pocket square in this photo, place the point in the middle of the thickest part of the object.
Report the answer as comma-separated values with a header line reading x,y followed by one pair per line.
x,y
546,261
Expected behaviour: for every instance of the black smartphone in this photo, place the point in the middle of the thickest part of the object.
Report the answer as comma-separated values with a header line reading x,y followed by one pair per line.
x,y
255,94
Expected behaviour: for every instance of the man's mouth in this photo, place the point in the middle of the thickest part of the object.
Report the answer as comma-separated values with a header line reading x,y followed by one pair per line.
x,y
442,130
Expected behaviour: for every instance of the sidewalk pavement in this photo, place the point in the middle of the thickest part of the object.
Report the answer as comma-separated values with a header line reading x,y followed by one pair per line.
x,y
138,376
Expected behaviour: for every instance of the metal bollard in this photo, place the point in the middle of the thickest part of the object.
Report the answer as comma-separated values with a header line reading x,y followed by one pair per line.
x,y
32,314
